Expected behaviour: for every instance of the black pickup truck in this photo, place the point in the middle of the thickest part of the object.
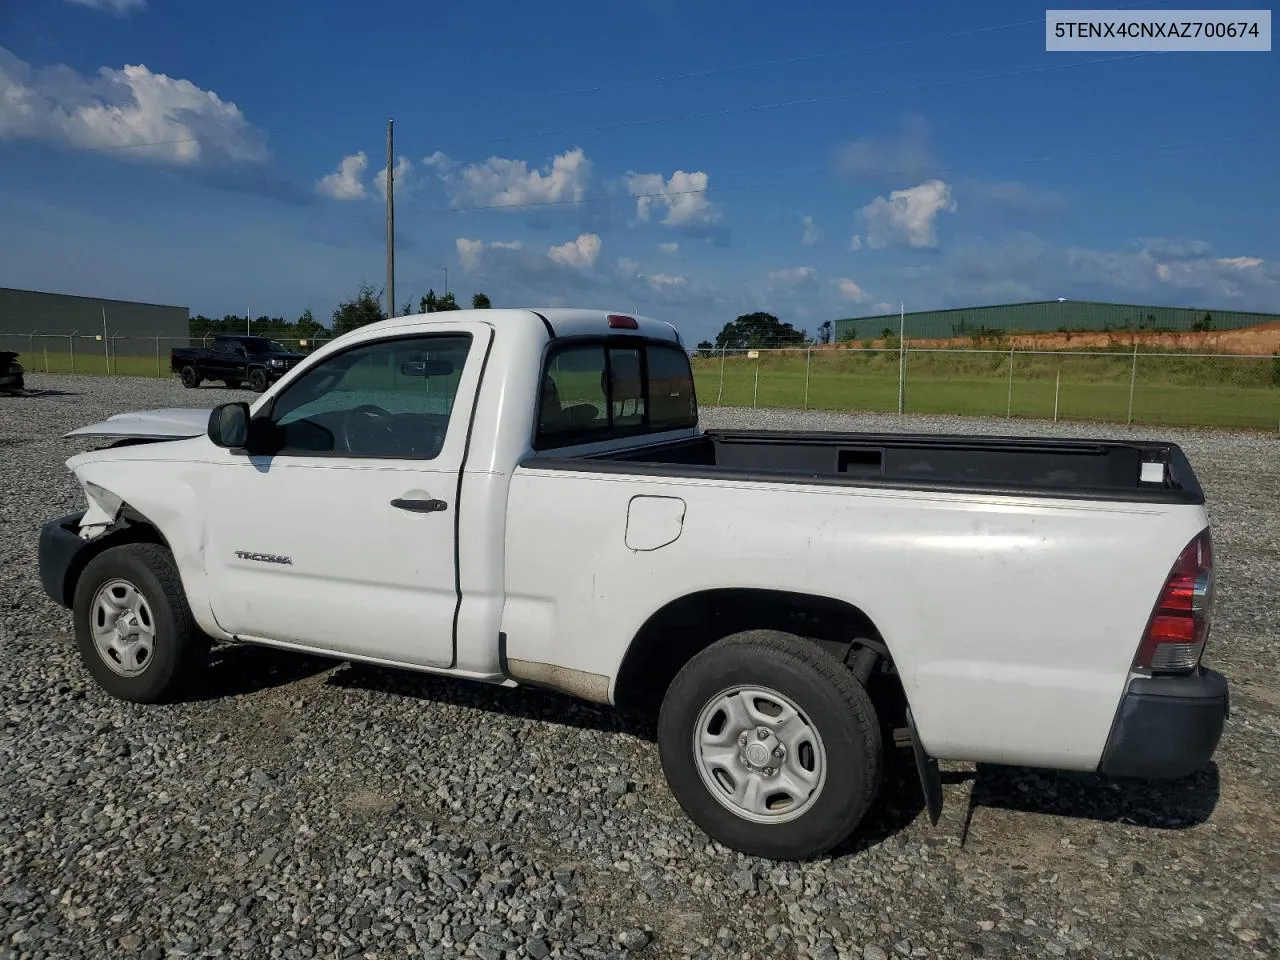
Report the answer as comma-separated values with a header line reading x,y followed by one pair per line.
x,y
11,373
235,360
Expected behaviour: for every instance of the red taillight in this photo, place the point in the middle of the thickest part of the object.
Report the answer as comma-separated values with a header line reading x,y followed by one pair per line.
x,y
618,321
1179,625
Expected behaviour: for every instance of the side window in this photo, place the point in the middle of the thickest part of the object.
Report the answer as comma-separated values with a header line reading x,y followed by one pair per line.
x,y
672,403
388,399
573,393
593,391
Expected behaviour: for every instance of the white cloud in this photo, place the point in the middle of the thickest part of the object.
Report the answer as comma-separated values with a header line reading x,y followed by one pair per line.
x,y
403,185
577,253
672,247
118,7
347,182
683,197
883,307
908,215
501,182
794,276
1240,263
665,281
469,252
855,242
906,154
472,252
812,232
159,119
849,290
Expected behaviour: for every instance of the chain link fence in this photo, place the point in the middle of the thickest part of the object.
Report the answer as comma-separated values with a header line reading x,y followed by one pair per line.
x,y
1125,385
124,354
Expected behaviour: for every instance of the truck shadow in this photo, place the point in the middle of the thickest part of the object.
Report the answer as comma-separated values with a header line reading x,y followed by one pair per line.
x,y
1163,805
237,670
526,703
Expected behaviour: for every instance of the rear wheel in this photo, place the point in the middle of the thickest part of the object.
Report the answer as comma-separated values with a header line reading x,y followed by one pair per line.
x,y
190,376
257,380
134,628
770,745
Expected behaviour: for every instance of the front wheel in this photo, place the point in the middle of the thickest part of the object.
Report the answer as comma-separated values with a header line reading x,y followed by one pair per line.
x,y
134,628
257,380
770,745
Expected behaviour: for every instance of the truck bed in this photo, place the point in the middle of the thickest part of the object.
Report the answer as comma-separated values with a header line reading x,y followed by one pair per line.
x,y
1088,469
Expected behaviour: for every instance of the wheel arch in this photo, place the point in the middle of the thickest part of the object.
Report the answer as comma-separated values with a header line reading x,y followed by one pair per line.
x,y
681,628
130,526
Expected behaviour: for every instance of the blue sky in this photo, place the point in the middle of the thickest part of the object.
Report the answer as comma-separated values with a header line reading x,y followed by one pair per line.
x,y
813,160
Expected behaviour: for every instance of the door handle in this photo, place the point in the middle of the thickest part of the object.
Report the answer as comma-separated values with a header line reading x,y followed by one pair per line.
x,y
420,506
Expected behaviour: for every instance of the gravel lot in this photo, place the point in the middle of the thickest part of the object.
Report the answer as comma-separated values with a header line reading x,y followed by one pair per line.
x,y
307,808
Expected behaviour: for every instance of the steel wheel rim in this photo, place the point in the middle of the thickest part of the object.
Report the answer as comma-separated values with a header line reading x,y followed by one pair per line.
x,y
759,755
123,627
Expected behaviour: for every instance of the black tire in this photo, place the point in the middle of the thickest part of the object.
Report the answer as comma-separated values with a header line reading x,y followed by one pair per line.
x,y
232,384
180,647
190,376
258,380
832,702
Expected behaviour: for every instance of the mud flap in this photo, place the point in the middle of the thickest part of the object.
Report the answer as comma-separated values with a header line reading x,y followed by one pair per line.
x,y
927,768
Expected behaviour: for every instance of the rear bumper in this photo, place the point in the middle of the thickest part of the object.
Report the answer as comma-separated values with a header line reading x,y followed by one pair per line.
x,y
1167,726
59,545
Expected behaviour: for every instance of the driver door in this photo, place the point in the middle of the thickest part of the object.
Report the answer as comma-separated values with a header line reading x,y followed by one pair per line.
x,y
343,538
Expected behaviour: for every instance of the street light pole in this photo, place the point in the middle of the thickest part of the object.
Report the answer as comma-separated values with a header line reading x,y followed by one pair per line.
x,y
391,223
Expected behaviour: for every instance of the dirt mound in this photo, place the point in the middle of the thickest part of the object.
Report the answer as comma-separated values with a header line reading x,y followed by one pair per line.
x,y
1263,339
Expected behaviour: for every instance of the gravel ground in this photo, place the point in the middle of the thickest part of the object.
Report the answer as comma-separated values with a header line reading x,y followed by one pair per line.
x,y
306,808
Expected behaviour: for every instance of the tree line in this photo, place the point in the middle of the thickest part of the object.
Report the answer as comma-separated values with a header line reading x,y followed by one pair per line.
x,y
750,331
365,307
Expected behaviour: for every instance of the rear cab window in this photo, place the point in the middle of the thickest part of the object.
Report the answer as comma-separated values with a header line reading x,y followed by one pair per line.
x,y
602,389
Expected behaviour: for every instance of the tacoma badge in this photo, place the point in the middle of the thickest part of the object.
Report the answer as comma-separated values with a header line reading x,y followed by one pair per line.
x,y
262,557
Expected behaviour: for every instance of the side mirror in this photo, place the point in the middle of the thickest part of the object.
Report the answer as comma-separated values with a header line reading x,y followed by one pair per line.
x,y
229,425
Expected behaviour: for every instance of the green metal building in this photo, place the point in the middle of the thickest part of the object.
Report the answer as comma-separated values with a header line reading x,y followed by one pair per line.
x,y
29,317
1048,316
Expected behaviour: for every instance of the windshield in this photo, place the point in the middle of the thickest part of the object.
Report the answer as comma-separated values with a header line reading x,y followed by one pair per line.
x,y
263,345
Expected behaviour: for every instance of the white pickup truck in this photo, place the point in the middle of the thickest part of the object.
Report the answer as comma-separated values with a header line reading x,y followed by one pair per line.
x,y
526,497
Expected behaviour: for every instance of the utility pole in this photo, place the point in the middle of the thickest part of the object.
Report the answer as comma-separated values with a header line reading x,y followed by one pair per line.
x,y
391,221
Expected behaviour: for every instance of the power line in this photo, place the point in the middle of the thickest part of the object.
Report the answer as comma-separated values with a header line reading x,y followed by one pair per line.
x,y
807,101
774,62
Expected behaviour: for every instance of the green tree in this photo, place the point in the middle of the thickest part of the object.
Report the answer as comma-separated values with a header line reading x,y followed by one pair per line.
x,y
1203,325
307,326
706,348
447,302
365,308
430,303
752,331
480,301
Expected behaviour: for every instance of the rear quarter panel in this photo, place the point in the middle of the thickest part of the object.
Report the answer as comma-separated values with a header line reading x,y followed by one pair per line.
x,y
1012,621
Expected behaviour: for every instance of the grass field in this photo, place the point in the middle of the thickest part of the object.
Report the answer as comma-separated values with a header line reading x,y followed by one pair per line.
x,y
1168,389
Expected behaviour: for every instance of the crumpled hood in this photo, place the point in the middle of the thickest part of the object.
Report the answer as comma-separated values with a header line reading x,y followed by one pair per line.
x,y
173,423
